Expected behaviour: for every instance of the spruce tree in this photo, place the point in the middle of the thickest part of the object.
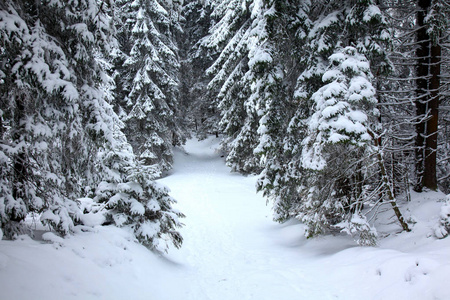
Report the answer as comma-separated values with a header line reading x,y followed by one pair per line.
x,y
324,31
230,38
43,111
129,197
431,22
412,96
340,149
285,24
201,112
61,139
150,80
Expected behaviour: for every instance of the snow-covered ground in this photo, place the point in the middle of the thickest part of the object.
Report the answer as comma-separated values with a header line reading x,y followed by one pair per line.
x,y
232,250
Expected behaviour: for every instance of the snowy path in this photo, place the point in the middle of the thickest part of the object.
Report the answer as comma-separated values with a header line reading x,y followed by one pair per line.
x,y
232,250
228,247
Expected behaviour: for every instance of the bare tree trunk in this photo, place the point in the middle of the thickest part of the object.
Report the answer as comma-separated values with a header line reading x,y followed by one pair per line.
x,y
388,184
427,102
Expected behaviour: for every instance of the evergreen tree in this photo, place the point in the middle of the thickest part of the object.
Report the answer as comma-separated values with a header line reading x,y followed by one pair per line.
x,y
231,38
431,22
287,178
340,148
128,197
150,78
61,139
43,111
285,24
411,98
201,113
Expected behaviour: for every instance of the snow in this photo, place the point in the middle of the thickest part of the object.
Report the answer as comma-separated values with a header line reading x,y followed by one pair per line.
x,y
92,219
136,207
343,123
232,250
325,22
372,12
149,229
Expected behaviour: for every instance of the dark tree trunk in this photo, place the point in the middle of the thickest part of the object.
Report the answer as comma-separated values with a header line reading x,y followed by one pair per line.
x,y
19,161
427,102
429,176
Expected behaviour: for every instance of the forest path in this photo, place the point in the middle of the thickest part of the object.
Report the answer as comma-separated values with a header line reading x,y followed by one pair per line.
x,y
232,249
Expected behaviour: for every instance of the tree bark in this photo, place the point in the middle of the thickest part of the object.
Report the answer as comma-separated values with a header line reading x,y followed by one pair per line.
x,y
388,184
427,102
19,161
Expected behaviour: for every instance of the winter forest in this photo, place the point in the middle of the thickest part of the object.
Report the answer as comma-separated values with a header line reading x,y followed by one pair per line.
x,y
340,110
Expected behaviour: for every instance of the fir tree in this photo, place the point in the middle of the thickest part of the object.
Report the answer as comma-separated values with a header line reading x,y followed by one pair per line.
x,y
287,178
128,197
61,139
201,112
339,150
42,114
150,78
285,25
231,38
431,22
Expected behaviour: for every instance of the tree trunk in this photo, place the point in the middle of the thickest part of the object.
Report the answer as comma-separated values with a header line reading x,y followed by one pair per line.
x,y
429,176
427,102
387,183
19,162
